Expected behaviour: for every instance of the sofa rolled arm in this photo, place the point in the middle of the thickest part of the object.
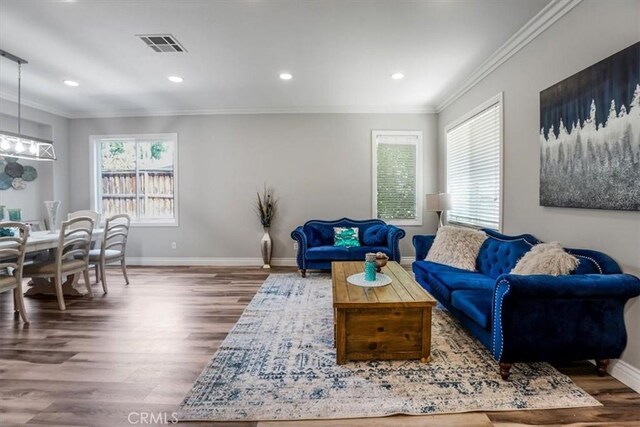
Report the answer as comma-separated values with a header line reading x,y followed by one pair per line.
x,y
299,236
393,241
422,244
573,286
574,317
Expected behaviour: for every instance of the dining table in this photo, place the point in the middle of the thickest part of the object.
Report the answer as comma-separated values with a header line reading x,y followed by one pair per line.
x,y
40,241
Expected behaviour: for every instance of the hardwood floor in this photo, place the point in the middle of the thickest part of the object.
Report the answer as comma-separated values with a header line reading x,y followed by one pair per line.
x,y
140,348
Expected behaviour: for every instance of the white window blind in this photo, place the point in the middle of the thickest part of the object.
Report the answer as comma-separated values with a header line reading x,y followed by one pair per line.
x,y
397,173
474,148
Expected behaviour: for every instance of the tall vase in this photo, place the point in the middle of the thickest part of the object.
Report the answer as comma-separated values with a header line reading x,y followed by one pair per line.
x,y
52,214
266,247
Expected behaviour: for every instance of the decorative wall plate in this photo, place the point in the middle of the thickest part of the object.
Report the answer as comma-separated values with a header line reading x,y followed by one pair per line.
x,y
14,175
18,184
14,170
29,174
5,181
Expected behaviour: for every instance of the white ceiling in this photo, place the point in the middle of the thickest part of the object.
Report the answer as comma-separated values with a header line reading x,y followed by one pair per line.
x,y
341,53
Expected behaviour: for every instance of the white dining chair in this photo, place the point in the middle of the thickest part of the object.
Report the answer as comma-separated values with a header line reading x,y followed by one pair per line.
x,y
72,256
12,250
95,216
112,249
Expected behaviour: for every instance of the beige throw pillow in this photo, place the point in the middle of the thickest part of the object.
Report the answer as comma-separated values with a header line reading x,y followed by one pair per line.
x,y
546,258
457,247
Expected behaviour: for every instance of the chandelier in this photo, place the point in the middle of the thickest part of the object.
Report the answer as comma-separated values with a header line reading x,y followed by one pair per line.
x,y
16,144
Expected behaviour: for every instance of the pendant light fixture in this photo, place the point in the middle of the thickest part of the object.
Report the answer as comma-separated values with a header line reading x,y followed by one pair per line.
x,y
16,144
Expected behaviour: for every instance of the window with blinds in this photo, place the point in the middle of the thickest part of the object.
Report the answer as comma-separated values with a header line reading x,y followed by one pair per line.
x,y
474,166
397,176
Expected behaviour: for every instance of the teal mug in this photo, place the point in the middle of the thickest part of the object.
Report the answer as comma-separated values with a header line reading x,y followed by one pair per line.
x,y
15,214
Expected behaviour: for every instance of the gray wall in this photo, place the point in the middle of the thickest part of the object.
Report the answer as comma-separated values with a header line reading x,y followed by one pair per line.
x,y
319,164
589,33
53,177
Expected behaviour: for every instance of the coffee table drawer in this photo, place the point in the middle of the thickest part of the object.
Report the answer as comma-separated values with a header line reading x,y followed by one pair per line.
x,y
383,333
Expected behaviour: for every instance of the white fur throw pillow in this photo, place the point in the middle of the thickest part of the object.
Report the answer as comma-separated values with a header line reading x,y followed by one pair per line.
x,y
546,258
457,247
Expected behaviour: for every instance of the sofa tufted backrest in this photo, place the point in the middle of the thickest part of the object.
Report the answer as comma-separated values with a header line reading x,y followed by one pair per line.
x,y
500,253
320,232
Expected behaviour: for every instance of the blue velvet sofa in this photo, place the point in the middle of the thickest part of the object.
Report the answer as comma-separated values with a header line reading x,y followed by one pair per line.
x,y
533,318
315,242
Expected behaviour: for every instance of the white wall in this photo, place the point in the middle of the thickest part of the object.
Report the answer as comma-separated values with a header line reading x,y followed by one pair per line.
x,y
319,165
589,33
53,177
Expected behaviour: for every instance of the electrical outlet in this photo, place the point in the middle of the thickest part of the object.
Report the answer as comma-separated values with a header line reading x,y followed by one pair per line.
x,y
174,245
295,246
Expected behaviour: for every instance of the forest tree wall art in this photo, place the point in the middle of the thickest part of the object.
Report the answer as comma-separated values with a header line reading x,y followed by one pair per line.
x,y
590,136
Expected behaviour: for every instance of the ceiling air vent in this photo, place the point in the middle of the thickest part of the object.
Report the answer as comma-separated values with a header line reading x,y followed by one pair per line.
x,y
162,42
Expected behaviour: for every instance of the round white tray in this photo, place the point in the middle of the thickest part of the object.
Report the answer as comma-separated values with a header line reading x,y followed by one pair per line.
x,y
358,280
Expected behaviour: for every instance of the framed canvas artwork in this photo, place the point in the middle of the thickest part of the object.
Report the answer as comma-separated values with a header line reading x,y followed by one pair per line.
x,y
590,136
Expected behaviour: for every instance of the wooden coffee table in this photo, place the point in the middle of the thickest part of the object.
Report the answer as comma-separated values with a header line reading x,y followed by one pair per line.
x,y
387,323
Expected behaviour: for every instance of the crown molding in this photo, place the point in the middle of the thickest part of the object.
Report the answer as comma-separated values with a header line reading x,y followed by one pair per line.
x,y
551,13
42,107
353,109
348,109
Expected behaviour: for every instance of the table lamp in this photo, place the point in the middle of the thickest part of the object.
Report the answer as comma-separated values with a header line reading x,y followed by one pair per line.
x,y
438,203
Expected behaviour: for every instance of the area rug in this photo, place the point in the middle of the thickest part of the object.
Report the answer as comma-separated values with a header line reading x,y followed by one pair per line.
x,y
278,363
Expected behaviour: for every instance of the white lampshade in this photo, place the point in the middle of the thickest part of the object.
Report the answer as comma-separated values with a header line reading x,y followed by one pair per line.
x,y
438,202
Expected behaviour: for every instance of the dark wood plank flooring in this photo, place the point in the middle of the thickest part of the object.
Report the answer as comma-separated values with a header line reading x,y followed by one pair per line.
x,y
141,347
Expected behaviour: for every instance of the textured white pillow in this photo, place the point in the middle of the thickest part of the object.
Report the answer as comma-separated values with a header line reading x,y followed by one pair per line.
x,y
457,247
546,258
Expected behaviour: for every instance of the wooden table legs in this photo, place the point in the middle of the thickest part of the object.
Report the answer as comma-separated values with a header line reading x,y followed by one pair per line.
x,y
40,286
341,337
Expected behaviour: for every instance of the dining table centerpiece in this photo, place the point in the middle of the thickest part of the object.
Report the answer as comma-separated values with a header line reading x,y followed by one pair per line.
x,y
52,207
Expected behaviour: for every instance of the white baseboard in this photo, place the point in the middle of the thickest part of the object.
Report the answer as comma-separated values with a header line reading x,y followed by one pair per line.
x,y
625,373
407,261
213,262
218,262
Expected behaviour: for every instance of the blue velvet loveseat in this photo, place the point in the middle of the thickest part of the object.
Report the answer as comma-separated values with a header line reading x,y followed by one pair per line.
x,y
316,249
533,318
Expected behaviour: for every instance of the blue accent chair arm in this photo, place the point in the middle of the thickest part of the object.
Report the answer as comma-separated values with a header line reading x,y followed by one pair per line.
x,y
422,245
299,236
560,318
393,241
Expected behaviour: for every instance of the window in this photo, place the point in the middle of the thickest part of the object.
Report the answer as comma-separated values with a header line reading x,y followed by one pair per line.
x,y
136,175
474,166
397,176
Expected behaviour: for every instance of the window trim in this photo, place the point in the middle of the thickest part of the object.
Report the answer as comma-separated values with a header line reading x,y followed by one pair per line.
x,y
419,181
496,99
94,171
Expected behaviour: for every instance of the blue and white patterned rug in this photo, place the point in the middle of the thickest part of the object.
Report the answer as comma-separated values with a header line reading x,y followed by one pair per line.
x,y
278,363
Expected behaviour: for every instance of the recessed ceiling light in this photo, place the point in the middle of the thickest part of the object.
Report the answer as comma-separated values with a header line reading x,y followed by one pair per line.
x,y
397,76
71,83
176,79
286,76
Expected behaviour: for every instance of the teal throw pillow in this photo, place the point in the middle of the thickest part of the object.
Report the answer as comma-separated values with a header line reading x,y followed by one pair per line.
x,y
346,237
